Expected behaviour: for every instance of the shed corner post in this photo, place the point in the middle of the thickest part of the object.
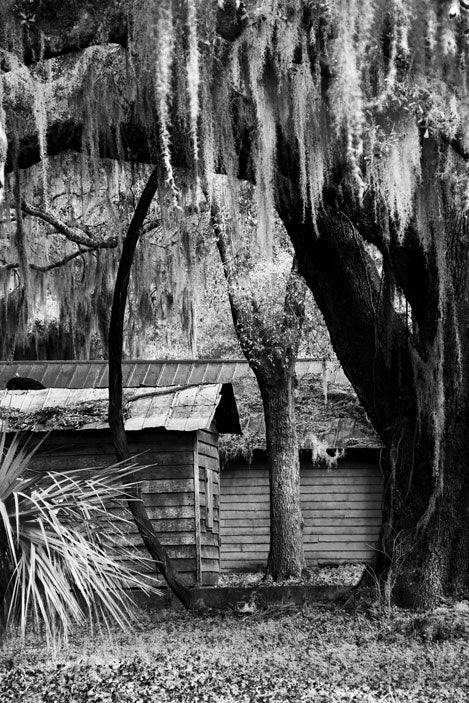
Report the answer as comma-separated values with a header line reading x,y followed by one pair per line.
x,y
198,550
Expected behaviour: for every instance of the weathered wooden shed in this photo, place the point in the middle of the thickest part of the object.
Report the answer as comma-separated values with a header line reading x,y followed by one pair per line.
x,y
176,428
224,524
341,502
341,510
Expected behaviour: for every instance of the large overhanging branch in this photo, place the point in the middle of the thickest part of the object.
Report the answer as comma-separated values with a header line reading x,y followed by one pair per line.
x,y
56,28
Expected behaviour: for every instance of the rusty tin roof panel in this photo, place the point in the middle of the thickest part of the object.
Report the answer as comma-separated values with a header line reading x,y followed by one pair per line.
x,y
189,409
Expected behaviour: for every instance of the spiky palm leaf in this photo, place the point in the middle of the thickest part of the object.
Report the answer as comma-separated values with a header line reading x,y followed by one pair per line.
x,y
61,546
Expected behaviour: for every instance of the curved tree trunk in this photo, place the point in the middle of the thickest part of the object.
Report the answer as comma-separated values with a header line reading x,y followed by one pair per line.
x,y
286,554
116,421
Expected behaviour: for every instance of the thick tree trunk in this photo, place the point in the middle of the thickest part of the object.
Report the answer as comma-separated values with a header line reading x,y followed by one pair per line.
x,y
423,552
421,416
286,554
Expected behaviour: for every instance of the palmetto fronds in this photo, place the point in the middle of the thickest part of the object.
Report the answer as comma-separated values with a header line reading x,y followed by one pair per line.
x,y
60,545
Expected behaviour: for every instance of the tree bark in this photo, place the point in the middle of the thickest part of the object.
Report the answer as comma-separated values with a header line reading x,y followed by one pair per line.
x,y
271,348
116,421
286,554
423,550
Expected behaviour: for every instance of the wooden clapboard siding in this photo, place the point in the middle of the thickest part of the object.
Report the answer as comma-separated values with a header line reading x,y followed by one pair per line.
x,y
209,480
167,483
341,510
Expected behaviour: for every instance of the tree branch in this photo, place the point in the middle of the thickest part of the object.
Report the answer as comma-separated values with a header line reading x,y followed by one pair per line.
x,y
71,233
60,27
54,265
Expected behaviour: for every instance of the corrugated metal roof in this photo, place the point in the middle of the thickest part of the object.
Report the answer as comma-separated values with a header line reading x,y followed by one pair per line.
x,y
153,374
182,410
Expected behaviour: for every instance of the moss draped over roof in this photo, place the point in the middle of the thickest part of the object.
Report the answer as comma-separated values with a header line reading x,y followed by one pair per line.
x,y
334,419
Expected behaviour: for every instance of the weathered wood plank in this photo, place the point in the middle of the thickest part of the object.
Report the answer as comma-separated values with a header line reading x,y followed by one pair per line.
x,y
209,436
352,500
106,452
353,534
183,552
209,538
243,549
160,471
168,499
164,512
216,525
166,538
307,492
208,450
371,479
236,525
151,434
175,485
345,496
93,457
345,522
211,565
243,499
240,515
306,480
184,565
353,509
257,538
241,472
209,551
167,525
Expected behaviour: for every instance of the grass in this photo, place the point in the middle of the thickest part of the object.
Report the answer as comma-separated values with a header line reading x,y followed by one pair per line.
x,y
313,653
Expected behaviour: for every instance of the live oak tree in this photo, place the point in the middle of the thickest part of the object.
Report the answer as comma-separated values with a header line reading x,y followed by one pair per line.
x,y
352,120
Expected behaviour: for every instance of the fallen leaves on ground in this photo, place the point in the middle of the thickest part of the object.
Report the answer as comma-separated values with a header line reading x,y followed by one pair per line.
x,y
315,654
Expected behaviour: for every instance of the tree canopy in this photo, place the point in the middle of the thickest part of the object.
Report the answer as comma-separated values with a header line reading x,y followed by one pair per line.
x,y
350,117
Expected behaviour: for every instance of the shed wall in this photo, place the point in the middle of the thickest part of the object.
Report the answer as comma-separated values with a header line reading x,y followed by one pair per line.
x,y
209,495
341,511
167,489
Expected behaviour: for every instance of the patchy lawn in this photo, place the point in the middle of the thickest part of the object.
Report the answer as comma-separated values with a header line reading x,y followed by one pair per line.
x,y
313,653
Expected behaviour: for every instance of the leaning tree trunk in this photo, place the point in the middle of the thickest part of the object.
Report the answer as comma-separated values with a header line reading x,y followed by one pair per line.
x,y
116,421
286,554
